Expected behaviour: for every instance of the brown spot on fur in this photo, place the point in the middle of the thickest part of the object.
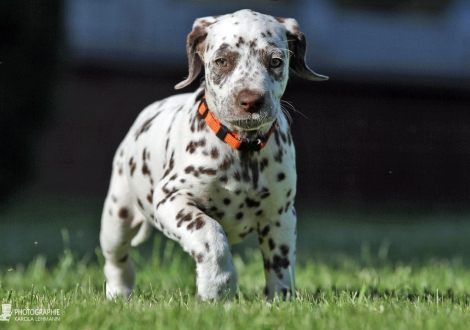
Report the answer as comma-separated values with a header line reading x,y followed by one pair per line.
x,y
265,195
198,223
166,144
265,231
182,216
263,164
132,165
145,170
287,207
280,263
214,153
278,156
123,213
171,165
253,43
189,169
284,250
193,145
237,176
145,126
241,41
251,202
207,171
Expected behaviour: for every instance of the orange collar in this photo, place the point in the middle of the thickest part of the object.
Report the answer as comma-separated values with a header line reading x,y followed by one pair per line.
x,y
233,139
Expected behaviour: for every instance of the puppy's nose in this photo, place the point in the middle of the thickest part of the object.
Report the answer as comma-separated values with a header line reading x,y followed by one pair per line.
x,y
250,101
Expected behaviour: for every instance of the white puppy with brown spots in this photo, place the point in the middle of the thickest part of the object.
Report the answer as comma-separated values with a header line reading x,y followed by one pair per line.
x,y
211,167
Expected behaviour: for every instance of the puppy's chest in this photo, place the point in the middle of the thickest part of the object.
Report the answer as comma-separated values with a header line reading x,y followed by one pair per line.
x,y
245,196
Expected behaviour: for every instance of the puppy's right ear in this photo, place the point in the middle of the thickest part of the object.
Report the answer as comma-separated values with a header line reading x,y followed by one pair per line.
x,y
298,49
195,48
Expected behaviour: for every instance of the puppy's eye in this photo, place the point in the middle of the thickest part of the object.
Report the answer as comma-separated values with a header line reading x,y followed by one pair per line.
x,y
275,62
221,62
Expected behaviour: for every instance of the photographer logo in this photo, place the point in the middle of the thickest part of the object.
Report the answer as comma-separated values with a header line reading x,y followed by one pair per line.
x,y
6,312
29,314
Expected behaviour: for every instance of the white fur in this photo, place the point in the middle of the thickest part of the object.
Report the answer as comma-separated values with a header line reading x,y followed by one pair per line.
x,y
172,172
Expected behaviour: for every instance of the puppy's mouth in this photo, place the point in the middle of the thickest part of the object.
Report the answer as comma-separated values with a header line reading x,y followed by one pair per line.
x,y
253,121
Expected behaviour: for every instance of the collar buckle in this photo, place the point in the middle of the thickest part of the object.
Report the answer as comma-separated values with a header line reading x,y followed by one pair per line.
x,y
251,144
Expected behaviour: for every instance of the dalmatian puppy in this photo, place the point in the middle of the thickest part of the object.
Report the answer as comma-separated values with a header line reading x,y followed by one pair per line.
x,y
210,167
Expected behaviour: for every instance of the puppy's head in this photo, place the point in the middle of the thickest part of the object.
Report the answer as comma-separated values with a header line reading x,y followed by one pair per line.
x,y
246,56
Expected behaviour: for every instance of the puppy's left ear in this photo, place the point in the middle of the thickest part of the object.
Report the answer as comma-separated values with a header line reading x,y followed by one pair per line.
x,y
195,48
298,47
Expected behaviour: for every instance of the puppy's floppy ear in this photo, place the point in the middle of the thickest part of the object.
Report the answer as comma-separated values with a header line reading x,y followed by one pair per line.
x,y
195,48
298,47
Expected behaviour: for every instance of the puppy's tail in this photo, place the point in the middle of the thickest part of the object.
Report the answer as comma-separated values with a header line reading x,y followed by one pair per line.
x,y
143,234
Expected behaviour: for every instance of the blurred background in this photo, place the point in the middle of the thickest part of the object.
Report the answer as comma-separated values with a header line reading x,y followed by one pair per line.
x,y
382,148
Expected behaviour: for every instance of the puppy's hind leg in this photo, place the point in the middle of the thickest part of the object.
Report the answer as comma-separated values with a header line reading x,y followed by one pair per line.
x,y
120,222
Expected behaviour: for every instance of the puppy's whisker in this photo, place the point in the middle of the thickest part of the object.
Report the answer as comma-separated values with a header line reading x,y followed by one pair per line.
x,y
287,114
289,105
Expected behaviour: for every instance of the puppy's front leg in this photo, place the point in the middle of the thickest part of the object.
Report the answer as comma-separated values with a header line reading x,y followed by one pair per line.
x,y
178,217
277,242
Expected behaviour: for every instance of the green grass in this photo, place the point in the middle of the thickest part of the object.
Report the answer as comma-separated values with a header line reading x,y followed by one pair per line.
x,y
388,268
334,293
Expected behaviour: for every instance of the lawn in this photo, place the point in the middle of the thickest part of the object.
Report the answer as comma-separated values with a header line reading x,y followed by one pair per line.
x,y
367,276
343,293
